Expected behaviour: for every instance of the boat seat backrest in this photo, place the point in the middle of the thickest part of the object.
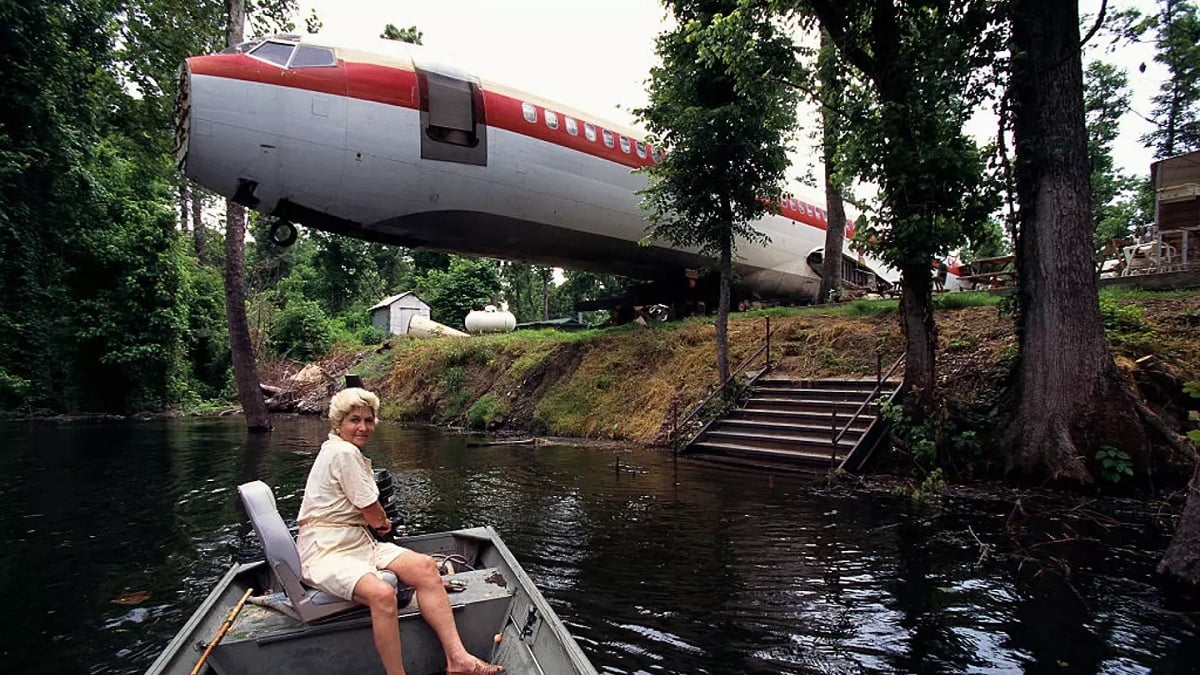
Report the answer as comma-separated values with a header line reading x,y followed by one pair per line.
x,y
306,604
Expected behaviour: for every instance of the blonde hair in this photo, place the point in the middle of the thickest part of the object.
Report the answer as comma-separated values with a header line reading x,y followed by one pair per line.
x,y
348,399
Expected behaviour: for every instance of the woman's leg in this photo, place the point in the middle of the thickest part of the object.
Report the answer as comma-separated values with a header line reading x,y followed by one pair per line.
x,y
420,571
381,598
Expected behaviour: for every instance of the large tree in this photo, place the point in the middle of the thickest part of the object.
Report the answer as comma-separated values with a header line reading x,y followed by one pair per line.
x,y
1070,399
721,107
245,370
92,285
1176,112
1105,102
921,75
832,103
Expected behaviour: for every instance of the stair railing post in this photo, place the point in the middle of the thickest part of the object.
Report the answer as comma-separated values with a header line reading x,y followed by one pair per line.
x,y
833,433
675,424
768,343
878,365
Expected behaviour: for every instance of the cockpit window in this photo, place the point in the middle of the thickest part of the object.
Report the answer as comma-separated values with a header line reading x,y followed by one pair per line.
x,y
274,52
241,48
312,57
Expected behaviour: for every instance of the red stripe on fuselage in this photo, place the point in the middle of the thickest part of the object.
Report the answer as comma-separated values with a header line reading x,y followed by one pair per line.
x,y
397,86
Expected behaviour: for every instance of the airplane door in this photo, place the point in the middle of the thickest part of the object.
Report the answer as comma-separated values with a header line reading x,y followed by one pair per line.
x,y
453,119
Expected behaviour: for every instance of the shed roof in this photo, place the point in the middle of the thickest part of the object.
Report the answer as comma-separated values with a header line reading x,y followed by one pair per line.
x,y
392,299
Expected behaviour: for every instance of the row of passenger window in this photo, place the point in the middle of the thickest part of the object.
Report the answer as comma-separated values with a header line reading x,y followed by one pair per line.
x,y
797,205
571,125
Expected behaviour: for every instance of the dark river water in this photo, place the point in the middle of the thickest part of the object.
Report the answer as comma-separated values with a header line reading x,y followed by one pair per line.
x,y
112,534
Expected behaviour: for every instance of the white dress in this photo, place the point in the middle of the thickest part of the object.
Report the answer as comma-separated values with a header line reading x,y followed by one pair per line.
x,y
336,545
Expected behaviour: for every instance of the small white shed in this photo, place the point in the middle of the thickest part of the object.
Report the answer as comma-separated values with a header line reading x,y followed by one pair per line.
x,y
393,314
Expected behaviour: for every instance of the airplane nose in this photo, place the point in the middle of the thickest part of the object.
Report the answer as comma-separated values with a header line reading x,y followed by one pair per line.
x,y
183,116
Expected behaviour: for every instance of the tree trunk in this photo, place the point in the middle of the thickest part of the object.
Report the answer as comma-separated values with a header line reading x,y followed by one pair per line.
x,y
245,373
1181,563
183,205
1070,399
835,235
725,272
835,222
197,221
920,332
725,267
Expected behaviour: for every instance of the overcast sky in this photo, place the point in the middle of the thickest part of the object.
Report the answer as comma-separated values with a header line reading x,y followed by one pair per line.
x,y
595,55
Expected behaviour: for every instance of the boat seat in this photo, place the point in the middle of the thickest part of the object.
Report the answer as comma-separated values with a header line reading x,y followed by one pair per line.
x,y
304,603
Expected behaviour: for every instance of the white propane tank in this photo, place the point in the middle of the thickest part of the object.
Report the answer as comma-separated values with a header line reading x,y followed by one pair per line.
x,y
490,320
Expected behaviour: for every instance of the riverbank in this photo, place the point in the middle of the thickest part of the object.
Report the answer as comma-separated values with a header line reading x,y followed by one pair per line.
x,y
628,383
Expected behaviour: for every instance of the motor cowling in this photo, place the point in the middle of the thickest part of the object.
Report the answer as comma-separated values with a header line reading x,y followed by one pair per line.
x,y
391,505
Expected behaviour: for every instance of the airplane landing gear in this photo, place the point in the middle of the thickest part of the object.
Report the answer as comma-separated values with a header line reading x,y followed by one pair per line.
x,y
283,233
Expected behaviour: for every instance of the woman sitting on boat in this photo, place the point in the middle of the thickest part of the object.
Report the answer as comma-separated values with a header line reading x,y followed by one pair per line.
x,y
341,557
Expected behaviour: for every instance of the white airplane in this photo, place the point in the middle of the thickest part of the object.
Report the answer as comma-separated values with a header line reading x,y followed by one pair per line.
x,y
377,140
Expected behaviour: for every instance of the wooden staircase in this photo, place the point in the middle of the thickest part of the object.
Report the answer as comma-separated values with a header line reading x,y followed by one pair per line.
x,y
791,424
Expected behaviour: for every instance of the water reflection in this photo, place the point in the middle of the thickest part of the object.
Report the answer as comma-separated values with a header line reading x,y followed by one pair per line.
x,y
655,567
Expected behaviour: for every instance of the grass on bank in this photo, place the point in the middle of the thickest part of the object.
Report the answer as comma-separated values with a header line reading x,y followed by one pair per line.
x,y
623,382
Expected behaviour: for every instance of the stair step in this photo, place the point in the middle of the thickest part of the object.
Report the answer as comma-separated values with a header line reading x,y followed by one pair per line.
x,y
816,443
816,394
810,457
843,408
786,429
756,464
820,419
837,383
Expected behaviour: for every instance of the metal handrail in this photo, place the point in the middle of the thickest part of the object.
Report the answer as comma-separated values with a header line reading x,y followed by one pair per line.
x,y
732,375
870,397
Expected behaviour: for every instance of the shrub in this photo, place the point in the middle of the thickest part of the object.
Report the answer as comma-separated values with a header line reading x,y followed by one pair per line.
x,y
301,330
1115,464
486,412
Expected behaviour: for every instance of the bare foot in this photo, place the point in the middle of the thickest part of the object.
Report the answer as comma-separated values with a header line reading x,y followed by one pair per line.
x,y
469,665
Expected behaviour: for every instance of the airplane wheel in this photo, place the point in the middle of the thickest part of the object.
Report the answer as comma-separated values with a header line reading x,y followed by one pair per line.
x,y
283,233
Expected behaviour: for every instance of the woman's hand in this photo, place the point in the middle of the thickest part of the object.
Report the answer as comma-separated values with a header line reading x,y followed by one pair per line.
x,y
383,529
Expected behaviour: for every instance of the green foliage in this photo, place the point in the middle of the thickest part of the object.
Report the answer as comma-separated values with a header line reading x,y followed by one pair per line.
x,y
1176,113
301,330
934,438
960,344
1106,100
1121,318
1132,206
722,110
1115,464
452,293
486,412
454,395
872,307
1193,389
918,76
931,488
410,35
960,300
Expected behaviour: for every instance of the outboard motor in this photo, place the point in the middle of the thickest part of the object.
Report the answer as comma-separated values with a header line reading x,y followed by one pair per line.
x,y
391,505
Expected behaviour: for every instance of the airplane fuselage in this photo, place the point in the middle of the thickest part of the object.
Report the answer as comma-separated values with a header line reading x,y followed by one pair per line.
x,y
380,143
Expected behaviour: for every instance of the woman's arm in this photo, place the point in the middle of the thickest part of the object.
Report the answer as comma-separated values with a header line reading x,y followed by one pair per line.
x,y
377,518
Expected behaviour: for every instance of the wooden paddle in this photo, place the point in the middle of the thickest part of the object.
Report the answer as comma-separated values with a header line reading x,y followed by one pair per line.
x,y
221,633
